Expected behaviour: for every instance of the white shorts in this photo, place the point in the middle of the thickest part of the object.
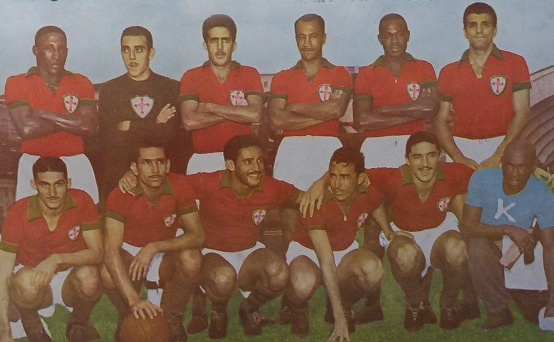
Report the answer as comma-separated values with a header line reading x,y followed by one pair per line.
x,y
425,239
526,277
477,149
296,249
79,170
153,273
236,259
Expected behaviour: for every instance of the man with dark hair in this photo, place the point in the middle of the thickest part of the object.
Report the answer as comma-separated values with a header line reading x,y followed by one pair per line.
x,y
52,110
141,243
139,104
310,97
425,197
55,238
505,201
397,93
324,246
487,91
221,98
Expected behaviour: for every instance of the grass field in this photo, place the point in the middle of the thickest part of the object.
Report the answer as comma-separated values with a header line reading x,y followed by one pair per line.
x,y
390,329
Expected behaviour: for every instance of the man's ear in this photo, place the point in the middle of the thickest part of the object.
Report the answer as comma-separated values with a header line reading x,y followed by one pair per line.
x,y
151,54
69,183
234,46
33,184
230,165
35,50
168,165
134,168
361,178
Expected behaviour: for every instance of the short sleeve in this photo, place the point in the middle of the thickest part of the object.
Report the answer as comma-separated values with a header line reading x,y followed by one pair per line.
x,y
475,190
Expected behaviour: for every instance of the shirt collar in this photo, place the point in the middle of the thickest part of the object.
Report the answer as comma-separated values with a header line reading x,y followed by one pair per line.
x,y
381,60
33,70
408,178
33,208
234,64
167,189
225,181
495,53
325,63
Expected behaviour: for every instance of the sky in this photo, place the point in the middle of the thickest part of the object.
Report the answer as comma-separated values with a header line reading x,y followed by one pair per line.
x,y
265,31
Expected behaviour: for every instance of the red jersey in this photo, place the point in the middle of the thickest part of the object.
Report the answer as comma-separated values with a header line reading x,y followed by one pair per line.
x,y
483,105
26,232
341,227
145,222
375,82
30,89
232,224
407,211
293,86
202,85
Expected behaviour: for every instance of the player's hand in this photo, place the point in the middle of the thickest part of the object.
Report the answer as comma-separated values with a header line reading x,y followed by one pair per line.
x,y
469,163
141,262
312,198
127,183
44,272
336,94
340,331
549,179
521,238
124,125
167,112
492,161
144,308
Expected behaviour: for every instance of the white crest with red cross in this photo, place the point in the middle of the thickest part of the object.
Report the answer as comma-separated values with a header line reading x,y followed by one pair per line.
x,y
258,216
142,105
73,233
324,91
238,98
414,89
71,102
361,219
498,84
443,204
169,220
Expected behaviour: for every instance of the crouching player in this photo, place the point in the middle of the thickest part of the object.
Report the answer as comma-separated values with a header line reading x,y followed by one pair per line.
x,y
327,239
55,237
141,243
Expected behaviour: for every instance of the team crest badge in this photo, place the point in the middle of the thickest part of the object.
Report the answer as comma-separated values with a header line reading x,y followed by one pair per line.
x,y
237,98
142,105
443,204
498,84
414,89
70,102
74,233
169,220
324,91
258,216
361,219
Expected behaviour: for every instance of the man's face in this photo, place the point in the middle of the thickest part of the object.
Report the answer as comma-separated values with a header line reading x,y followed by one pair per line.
x,y
220,46
517,167
343,180
424,160
249,167
52,188
479,31
151,168
136,57
394,36
309,40
51,53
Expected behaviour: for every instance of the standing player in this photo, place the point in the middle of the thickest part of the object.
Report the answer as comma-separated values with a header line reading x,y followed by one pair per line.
x,y
488,90
52,109
54,235
221,98
426,197
325,246
310,97
133,106
505,201
395,94
141,245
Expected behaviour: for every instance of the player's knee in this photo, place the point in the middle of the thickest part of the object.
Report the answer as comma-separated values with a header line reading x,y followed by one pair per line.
x,y
21,283
87,279
456,252
224,278
304,277
372,270
277,273
189,262
405,258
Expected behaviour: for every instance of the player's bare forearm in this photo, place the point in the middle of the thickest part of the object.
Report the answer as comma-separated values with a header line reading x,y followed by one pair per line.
x,y
83,123
7,263
29,124
192,238
92,255
195,115
251,113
